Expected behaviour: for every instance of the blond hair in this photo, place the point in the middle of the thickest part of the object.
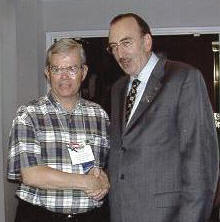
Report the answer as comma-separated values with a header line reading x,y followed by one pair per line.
x,y
65,45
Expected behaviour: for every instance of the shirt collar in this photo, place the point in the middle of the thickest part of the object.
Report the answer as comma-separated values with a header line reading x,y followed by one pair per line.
x,y
59,107
144,75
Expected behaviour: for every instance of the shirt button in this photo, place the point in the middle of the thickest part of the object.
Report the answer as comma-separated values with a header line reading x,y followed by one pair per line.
x,y
122,176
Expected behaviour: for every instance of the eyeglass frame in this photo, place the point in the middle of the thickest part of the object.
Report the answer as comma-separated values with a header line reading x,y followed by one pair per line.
x,y
62,70
125,43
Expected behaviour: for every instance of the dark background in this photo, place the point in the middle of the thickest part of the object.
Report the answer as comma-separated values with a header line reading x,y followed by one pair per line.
x,y
104,71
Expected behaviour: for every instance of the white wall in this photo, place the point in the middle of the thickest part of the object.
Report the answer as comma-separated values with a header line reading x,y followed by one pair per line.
x,y
8,90
2,209
28,21
73,15
19,82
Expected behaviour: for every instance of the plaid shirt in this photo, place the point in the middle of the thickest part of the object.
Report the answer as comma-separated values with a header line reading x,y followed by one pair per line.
x,y
40,134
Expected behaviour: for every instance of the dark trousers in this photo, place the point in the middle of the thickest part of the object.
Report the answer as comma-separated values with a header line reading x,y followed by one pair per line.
x,y
27,212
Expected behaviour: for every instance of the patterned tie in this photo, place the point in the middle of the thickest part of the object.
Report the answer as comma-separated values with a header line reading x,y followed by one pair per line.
x,y
131,98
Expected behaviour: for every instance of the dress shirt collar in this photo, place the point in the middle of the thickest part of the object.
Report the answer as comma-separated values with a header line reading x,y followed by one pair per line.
x,y
144,75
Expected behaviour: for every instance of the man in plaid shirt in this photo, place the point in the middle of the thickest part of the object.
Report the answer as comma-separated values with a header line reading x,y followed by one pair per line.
x,y
58,146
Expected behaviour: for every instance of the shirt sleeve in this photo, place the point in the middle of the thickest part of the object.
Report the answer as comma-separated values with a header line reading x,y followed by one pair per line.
x,y
24,148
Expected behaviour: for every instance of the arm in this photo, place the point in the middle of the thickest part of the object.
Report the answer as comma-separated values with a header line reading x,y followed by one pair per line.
x,y
49,178
25,162
199,150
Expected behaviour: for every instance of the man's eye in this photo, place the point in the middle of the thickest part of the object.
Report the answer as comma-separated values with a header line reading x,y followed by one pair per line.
x,y
113,47
73,69
54,69
126,43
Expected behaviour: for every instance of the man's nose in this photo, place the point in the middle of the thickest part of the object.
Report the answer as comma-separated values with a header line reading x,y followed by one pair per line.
x,y
64,74
120,51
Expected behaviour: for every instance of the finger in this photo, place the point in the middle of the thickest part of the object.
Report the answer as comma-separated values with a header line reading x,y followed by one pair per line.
x,y
96,172
101,195
93,193
89,192
105,183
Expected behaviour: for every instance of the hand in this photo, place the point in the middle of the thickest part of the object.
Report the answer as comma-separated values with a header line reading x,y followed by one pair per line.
x,y
93,181
102,178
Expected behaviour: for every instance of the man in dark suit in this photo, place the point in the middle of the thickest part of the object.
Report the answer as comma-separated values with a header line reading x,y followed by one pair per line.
x,y
163,161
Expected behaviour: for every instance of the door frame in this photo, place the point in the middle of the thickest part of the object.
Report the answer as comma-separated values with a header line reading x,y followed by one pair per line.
x,y
50,36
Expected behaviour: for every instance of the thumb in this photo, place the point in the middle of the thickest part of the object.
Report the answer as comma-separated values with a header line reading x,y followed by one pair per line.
x,y
97,172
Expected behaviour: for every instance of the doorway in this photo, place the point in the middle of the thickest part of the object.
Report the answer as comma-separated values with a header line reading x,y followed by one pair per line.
x,y
104,71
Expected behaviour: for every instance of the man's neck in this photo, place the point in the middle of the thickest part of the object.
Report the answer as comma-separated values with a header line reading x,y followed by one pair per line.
x,y
67,103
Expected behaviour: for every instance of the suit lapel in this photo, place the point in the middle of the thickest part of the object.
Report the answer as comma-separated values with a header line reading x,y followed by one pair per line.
x,y
152,89
120,103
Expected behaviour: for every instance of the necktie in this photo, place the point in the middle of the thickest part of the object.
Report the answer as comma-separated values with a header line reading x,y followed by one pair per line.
x,y
131,98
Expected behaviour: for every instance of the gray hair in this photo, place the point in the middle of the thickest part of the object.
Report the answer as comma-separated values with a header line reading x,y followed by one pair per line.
x,y
65,45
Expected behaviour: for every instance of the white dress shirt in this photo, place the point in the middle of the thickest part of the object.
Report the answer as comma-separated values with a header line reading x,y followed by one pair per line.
x,y
143,76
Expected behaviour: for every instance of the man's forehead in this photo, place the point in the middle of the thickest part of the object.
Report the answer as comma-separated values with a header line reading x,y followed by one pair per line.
x,y
124,28
72,57
65,54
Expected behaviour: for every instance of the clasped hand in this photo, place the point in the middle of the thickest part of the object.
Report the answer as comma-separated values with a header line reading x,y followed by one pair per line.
x,y
98,185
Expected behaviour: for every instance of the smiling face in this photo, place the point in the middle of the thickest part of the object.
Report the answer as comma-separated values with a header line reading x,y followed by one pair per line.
x,y
131,57
64,84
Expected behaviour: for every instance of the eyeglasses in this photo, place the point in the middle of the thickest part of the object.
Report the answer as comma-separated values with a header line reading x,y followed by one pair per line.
x,y
125,44
71,70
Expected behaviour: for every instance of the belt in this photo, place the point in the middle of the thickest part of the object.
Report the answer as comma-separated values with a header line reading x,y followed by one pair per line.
x,y
41,212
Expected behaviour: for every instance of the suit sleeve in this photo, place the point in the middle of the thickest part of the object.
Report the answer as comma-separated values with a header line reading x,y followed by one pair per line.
x,y
199,150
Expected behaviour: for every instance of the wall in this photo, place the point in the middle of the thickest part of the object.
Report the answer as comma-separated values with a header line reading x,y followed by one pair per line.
x,y
19,69
8,87
69,15
29,34
2,209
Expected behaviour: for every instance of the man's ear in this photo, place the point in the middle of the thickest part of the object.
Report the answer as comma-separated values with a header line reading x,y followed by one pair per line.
x,y
84,71
46,73
148,42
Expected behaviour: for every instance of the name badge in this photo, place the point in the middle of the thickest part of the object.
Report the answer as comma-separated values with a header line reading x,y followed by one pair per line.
x,y
80,153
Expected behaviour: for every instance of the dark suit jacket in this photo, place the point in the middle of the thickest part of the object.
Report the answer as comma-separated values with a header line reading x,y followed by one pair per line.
x,y
163,166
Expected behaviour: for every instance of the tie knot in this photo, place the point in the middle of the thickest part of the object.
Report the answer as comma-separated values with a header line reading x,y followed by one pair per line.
x,y
135,83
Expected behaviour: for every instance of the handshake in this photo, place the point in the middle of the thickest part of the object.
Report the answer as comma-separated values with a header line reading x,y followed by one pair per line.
x,y
97,184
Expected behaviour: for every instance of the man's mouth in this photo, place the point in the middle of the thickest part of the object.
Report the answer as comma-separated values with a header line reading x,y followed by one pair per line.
x,y
124,62
64,84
